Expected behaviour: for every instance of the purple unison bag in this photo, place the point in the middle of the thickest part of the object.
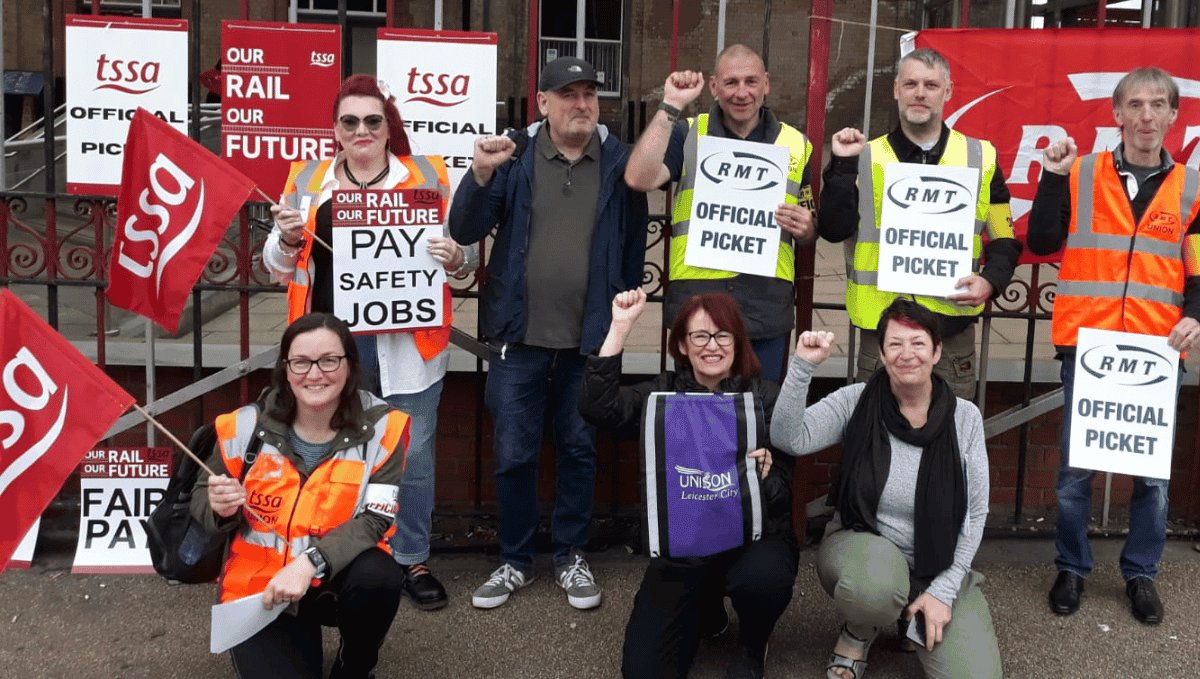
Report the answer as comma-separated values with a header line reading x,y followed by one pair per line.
x,y
702,492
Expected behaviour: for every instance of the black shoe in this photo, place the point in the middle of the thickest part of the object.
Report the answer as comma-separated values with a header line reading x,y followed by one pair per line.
x,y
747,665
1064,595
425,591
1144,601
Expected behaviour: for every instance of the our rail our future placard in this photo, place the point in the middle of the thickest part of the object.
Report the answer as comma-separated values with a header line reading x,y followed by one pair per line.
x,y
385,280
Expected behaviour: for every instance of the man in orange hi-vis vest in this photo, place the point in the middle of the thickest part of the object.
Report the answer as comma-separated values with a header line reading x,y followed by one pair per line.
x,y
1129,221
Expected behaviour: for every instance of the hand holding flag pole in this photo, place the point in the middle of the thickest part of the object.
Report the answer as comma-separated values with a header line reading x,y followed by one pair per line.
x,y
187,451
310,233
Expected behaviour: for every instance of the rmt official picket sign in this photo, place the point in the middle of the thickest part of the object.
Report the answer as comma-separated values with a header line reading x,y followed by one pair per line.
x,y
927,223
1123,404
739,185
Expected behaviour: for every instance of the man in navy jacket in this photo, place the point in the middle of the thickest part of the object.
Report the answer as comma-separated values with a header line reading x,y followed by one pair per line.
x,y
569,235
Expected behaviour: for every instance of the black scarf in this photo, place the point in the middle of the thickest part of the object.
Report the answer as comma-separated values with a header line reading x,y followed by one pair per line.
x,y
940,503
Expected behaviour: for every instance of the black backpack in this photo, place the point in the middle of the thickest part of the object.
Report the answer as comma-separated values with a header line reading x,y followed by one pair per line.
x,y
180,549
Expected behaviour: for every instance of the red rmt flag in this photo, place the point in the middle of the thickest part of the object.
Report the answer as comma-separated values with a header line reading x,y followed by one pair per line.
x,y
176,202
54,406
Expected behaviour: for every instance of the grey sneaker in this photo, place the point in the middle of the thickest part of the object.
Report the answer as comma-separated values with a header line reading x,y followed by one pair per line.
x,y
576,578
504,581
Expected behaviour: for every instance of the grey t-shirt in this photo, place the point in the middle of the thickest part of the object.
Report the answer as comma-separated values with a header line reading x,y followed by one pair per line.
x,y
562,219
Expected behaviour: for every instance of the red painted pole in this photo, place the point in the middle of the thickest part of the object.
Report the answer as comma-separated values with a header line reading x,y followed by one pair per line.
x,y
1101,13
531,89
966,11
675,36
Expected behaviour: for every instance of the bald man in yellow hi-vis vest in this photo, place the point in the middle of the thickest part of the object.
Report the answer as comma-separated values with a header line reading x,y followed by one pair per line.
x,y
667,151
851,205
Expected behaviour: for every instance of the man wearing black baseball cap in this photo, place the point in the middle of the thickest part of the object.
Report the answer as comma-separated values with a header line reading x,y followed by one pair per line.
x,y
568,232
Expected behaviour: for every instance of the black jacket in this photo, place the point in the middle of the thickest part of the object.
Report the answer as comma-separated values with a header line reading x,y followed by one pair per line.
x,y
605,403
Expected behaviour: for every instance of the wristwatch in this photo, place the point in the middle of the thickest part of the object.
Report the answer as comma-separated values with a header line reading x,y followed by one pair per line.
x,y
318,561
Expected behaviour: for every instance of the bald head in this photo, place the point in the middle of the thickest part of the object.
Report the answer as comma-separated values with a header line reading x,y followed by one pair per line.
x,y
739,84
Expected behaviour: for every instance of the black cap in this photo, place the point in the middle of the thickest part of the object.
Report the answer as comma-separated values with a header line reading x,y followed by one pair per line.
x,y
566,70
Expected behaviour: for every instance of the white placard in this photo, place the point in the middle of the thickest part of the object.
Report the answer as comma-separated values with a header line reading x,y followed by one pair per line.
x,y
236,621
119,489
927,228
113,66
385,280
1123,403
445,86
738,187
23,557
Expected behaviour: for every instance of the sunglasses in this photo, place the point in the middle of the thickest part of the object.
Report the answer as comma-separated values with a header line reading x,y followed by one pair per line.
x,y
350,123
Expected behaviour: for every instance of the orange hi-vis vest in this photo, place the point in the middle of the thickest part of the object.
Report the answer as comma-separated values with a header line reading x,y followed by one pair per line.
x,y
303,191
1115,274
292,509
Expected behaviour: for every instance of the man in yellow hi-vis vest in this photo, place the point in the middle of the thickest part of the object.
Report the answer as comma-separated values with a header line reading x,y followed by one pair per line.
x,y
851,203
667,151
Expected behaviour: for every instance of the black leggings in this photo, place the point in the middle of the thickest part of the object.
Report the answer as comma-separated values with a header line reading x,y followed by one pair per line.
x,y
663,632
360,601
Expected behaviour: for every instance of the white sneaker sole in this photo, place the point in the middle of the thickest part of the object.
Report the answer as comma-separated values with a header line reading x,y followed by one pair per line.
x,y
489,601
584,602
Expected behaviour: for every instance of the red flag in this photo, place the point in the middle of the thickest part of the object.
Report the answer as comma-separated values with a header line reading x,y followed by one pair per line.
x,y
176,202
54,405
1036,87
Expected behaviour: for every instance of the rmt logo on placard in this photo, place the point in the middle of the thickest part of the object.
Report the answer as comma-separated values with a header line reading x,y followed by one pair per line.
x,y
141,76
929,195
741,171
1127,365
437,88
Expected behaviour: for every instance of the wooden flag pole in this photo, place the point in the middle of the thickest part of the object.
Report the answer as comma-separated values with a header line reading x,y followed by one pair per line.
x,y
314,236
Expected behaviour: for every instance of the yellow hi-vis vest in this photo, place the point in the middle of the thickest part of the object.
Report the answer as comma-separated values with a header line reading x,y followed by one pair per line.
x,y
864,301
785,266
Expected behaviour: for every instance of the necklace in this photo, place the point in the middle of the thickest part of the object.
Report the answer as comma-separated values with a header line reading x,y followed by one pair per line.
x,y
361,184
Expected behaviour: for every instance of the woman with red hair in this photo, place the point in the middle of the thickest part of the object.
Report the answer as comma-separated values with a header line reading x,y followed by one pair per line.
x,y
405,368
682,599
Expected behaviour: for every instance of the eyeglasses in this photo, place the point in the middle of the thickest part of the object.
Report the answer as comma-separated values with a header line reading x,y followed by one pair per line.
x,y
350,123
701,338
326,364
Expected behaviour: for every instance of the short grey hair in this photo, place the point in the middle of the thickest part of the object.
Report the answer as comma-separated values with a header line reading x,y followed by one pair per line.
x,y
1156,78
930,57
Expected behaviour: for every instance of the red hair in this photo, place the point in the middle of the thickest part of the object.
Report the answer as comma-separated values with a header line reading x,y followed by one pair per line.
x,y
362,85
727,316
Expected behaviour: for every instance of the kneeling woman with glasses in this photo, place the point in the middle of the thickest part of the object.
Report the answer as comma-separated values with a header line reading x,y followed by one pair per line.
x,y
320,463
682,599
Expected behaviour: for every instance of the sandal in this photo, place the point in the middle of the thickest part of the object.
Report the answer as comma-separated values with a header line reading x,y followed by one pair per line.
x,y
856,667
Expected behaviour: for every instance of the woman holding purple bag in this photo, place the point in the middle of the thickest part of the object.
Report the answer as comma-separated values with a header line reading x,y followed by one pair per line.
x,y
682,599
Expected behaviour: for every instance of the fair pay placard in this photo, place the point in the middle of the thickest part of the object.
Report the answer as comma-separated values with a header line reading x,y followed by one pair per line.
x,y
1123,403
385,280
739,185
927,228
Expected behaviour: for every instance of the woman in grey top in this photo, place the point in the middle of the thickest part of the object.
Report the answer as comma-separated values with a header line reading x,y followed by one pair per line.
x,y
910,494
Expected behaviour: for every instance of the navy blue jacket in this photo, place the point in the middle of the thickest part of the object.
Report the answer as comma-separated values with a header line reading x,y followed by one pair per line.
x,y
618,242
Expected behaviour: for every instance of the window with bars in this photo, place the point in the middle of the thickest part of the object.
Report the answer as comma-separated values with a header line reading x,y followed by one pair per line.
x,y
590,29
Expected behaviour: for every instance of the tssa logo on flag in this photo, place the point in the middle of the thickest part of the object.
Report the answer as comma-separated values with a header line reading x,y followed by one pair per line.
x,y
169,220
54,405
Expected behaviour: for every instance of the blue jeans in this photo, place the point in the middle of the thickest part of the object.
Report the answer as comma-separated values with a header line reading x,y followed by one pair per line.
x,y
410,542
521,381
770,353
1147,509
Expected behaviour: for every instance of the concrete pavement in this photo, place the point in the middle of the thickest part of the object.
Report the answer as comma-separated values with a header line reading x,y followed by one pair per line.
x,y
55,625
